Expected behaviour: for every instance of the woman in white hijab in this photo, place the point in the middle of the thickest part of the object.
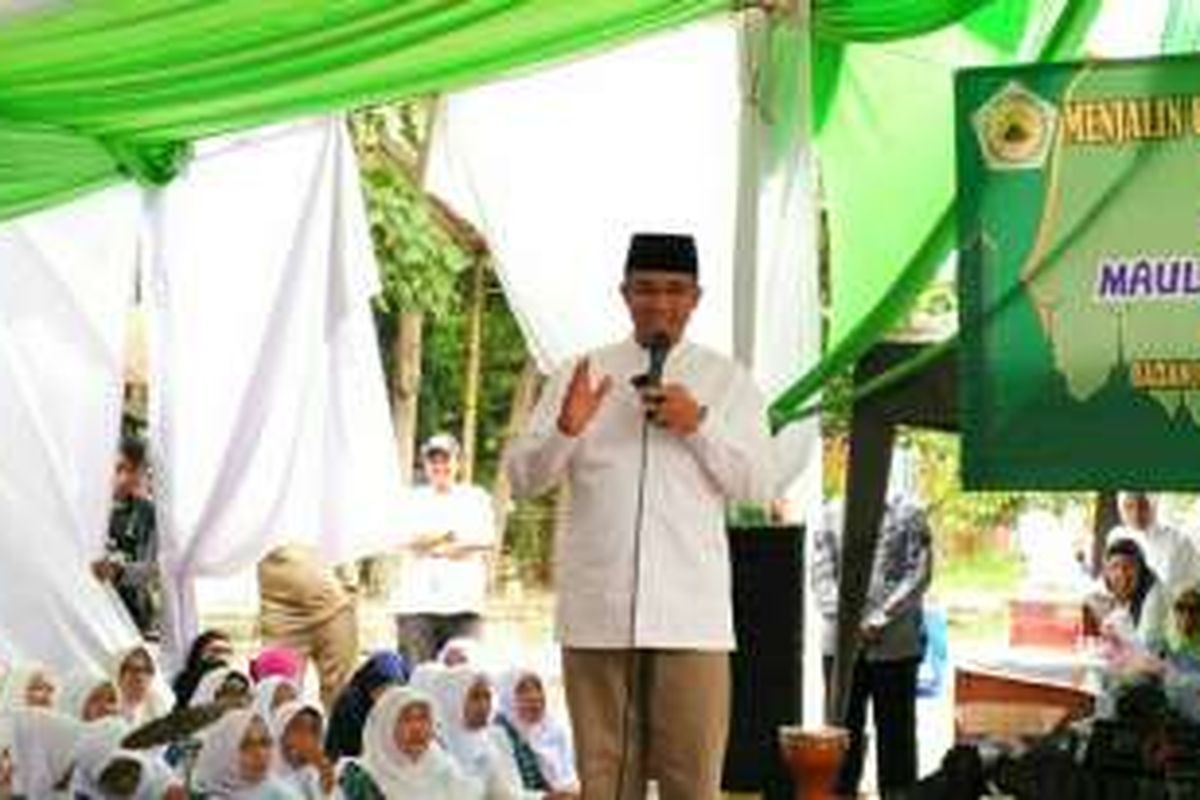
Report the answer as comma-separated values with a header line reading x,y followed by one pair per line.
x,y
88,696
28,686
97,761
95,748
235,760
464,710
42,751
301,762
529,728
143,696
271,693
459,650
401,758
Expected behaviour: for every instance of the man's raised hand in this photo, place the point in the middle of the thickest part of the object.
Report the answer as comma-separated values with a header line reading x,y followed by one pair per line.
x,y
581,401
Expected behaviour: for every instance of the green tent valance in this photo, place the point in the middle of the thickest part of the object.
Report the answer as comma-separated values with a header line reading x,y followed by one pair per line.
x,y
881,20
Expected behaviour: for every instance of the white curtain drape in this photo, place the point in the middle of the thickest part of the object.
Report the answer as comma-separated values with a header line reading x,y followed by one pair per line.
x,y
66,282
559,168
269,417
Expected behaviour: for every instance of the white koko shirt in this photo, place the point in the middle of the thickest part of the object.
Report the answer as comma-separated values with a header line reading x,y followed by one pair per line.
x,y
684,593
433,585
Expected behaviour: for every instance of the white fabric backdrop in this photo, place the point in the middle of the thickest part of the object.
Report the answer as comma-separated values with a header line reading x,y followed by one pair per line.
x,y
269,417
559,168
66,280
269,412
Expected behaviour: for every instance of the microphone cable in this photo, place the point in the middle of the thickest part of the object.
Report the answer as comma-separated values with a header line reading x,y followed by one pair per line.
x,y
632,661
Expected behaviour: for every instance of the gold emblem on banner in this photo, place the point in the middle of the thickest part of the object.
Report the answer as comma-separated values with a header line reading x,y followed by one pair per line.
x,y
1015,128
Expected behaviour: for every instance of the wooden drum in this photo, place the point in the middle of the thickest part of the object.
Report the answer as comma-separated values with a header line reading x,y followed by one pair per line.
x,y
813,757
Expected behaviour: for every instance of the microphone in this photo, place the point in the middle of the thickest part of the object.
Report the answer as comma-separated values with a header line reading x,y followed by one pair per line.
x,y
657,347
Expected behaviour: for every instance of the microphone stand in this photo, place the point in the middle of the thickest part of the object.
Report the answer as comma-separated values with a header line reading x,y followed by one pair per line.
x,y
658,346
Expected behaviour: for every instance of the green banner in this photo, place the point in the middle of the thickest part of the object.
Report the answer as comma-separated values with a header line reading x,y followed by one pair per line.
x,y
1079,275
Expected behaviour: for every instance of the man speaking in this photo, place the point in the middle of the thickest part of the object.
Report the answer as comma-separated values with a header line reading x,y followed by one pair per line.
x,y
655,435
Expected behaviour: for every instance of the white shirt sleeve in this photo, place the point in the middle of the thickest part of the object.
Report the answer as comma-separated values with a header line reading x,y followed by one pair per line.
x,y
479,526
733,443
537,460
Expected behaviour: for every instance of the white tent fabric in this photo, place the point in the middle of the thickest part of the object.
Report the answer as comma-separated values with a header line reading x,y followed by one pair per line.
x,y
777,321
268,415
558,168
66,280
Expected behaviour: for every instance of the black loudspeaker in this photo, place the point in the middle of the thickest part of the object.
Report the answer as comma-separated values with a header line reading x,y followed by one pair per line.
x,y
768,667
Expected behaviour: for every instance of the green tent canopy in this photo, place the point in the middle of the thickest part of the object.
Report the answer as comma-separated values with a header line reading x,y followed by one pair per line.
x,y
94,92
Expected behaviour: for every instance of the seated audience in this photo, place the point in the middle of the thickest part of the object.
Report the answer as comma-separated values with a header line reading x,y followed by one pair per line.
x,y
382,670
28,686
271,693
235,760
276,661
401,759
135,675
301,763
211,648
1131,609
223,685
89,697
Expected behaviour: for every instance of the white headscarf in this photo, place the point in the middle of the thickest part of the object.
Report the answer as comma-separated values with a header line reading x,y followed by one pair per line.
x,y
467,648
426,677
306,780
76,689
218,773
264,698
155,777
283,717
43,745
479,751
548,738
17,681
433,776
159,699
93,752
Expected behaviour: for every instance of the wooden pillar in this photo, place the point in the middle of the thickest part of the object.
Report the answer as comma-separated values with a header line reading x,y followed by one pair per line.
x,y
871,440
476,303
406,389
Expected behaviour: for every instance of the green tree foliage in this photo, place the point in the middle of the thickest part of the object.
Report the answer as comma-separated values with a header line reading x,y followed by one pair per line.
x,y
423,268
504,355
419,261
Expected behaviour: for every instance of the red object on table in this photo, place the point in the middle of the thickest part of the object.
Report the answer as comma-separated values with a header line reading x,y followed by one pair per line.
x,y
1045,623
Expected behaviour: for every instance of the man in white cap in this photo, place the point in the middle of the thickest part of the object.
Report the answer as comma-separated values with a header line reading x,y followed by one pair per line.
x,y
1168,552
443,582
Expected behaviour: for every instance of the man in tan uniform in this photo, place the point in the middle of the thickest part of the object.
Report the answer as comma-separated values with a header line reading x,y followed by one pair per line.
x,y
306,607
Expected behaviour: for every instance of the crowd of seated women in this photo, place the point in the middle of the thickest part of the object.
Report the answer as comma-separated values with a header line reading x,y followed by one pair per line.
x,y
444,730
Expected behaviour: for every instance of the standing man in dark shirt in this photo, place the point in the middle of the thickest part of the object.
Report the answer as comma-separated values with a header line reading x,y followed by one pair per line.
x,y
130,562
893,641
